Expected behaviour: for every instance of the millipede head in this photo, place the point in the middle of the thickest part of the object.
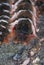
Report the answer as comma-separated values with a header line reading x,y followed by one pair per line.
x,y
22,29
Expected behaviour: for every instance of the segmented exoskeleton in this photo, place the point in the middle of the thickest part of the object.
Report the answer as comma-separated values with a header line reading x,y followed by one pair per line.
x,y
23,20
4,18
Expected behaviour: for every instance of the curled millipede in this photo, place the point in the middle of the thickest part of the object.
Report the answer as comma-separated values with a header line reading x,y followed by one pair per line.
x,y
22,22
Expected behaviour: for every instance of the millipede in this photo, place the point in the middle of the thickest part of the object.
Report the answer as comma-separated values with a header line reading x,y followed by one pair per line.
x,y
23,20
4,18
18,20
